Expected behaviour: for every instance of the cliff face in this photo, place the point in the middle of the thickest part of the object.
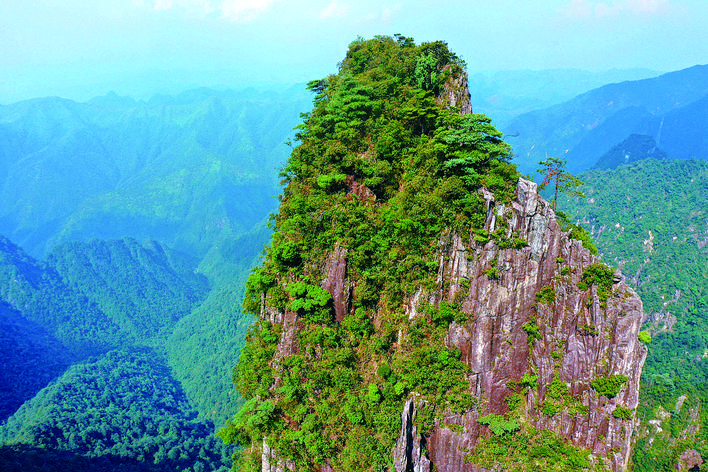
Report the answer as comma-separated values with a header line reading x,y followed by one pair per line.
x,y
420,307
580,339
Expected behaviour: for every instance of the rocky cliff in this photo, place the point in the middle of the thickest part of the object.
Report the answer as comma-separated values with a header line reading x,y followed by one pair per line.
x,y
420,306
580,338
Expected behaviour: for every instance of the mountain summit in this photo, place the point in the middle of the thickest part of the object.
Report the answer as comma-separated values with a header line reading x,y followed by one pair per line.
x,y
420,306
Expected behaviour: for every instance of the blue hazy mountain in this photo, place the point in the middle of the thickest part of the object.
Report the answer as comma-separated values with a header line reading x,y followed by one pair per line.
x,y
186,170
671,108
504,95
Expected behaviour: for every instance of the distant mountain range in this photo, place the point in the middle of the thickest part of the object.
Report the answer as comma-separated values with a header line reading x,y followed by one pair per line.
x,y
117,354
504,95
193,177
671,108
201,167
186,170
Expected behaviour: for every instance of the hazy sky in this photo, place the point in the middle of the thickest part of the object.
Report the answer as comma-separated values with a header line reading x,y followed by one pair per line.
x,y
81,48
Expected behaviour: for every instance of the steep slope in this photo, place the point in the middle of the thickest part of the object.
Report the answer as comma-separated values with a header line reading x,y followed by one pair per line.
x,y
121,410
543,342
143,289
635,148
29,359
649,218
586,127
420,307
42,297
100,295
204,346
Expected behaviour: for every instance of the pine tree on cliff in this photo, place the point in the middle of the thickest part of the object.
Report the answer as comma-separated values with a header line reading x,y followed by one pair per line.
x,y
353,307
554,171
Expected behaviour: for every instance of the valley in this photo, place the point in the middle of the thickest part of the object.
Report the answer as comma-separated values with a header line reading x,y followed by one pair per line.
x,y
129,229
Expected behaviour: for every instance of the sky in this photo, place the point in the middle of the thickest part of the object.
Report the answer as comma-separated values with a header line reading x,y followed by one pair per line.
x,y
78,48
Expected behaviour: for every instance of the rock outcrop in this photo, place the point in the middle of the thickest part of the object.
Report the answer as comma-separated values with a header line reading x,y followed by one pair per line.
x,y
520,331
689,460
581,338
455,93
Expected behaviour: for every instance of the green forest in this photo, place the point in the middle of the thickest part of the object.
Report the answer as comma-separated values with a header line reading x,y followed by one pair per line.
x,y
127,304
121,411
146,393
656,233
385,168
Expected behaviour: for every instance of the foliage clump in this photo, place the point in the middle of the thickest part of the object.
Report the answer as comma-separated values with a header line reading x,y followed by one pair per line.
x,y
622,413
600,275
533,331
609,386
383,171
530,449
499,425
546,296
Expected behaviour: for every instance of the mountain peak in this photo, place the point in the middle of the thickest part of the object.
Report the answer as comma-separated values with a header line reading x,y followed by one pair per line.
x,y
419,296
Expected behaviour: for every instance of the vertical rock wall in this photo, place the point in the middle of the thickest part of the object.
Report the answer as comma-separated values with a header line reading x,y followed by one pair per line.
x,y
581,338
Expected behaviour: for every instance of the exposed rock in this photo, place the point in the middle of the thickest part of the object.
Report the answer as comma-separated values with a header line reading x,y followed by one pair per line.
x,y
455,93
689,460
289,343
361,191
410,454
271,463
587,337
336,282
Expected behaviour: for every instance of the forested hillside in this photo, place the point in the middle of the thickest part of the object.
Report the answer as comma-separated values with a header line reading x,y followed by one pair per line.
x,y
189,171
122,412
194,176
649,219
40,294
30,358
143,290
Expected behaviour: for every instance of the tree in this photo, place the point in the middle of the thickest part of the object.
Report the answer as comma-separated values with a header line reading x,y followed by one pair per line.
x,y
553,170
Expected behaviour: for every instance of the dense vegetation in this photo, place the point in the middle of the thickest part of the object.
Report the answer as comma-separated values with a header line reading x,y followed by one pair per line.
x,y
649,219
29,359
384,169
122,406
635,148
44,298
143,290
149,295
